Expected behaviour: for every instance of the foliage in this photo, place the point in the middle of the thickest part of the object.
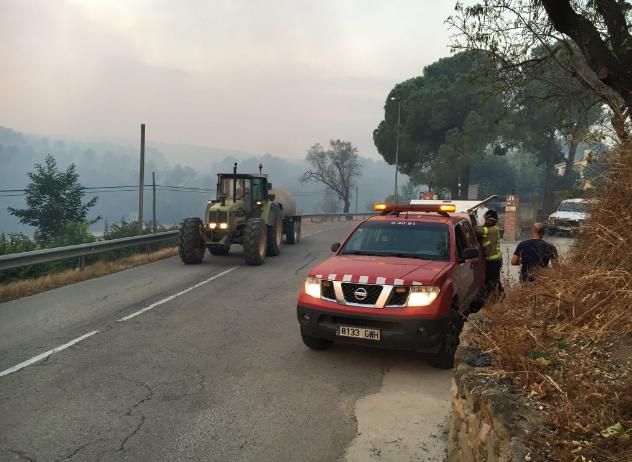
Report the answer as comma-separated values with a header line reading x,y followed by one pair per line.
x,y
73,233
53,199
15,243
594,35
447,123
330,203
337,168
576,316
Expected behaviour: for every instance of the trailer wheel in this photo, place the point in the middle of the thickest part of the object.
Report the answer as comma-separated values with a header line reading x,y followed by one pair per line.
x,y
275,231
255,241
190,243
293,232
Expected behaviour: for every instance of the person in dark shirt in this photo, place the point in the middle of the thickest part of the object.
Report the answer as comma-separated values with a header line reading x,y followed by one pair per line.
x,y
533,253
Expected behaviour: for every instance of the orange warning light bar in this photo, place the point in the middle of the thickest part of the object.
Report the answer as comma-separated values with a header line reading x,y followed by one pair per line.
x,y
438,208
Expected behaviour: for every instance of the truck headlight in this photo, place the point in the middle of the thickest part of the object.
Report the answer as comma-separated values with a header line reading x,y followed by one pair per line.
x,y
312,287
422,296
212,225
223,226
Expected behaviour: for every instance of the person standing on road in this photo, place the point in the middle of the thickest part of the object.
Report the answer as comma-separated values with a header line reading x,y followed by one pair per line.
x,y
489,236
533,253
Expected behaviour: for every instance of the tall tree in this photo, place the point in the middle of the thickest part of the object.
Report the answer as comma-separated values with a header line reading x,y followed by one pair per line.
x,y
447,122
337,168
54,198
596,33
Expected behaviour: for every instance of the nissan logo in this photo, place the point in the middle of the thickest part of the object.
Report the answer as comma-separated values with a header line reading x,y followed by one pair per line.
x,y
360,294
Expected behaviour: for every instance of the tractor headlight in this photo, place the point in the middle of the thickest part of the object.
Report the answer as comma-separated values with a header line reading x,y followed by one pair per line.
x,y
212,225
422,296
223,226
312,287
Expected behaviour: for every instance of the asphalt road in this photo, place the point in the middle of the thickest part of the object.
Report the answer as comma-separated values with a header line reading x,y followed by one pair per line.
x,y
217,372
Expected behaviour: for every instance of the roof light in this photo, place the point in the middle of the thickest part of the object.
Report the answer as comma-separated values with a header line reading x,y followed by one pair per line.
x,y
437,208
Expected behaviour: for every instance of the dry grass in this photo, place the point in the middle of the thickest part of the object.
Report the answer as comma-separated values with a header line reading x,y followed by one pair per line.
x,y
566,340
18,289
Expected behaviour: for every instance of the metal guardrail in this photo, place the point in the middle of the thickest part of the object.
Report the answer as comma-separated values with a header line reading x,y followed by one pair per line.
x,y
19,260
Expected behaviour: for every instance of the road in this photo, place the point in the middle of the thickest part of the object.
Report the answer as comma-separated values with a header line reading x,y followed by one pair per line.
x,y
205,362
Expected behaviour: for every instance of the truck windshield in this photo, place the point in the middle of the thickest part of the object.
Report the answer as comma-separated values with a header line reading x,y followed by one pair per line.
x,y
406,239
573,207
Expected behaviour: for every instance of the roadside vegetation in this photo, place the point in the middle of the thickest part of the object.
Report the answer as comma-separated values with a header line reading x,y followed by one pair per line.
x,y
55,208
566,340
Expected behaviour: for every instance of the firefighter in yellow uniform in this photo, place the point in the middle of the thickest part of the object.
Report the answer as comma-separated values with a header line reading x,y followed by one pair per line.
x,y
489,236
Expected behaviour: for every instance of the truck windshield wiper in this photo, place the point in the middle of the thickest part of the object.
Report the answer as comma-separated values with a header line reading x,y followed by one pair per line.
x,y
362,252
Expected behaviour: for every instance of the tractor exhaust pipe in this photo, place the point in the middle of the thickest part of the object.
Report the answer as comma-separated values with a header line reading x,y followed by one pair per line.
x,y
235,183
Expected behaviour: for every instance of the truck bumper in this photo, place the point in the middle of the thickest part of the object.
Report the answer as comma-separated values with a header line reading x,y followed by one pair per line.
x,y
421,335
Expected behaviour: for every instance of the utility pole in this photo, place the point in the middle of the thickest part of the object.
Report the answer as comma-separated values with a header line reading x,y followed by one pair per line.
x,y
153,186
141,184
399,103
356,198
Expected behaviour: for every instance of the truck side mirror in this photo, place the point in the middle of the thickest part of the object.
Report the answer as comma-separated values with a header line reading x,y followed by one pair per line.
x,y
271,197
269,186
335,246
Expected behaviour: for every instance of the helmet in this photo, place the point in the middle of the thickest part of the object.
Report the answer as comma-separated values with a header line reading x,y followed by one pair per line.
x,y
491,215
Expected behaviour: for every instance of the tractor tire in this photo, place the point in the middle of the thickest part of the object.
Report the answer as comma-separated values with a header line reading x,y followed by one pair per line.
x,y
190,243
293,233
255,241
221,249
275,231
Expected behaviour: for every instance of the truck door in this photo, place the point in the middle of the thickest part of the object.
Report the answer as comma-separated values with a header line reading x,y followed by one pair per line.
x,y
477,264
464,273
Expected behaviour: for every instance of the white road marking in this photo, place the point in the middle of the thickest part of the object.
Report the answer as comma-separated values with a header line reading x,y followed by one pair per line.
x,y
316,232
171,297
46,354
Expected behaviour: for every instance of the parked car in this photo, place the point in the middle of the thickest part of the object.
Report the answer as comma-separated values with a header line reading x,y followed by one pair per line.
x,y
569,216
405,280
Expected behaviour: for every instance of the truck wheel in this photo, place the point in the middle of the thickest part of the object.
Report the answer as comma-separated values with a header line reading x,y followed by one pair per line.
x,y
255,241
293,233
190,243
316,343
275,231
221,249
444,359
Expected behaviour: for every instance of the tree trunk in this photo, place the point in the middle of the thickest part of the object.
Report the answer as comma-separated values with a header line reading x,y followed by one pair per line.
x,y
547,196
570,160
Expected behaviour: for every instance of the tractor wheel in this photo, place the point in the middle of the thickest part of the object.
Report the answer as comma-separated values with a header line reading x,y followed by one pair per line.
x,y
293,234
221,249
275,231
255,241
191,245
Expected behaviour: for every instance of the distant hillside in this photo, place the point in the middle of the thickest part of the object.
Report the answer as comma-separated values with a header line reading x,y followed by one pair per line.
x,y
108,162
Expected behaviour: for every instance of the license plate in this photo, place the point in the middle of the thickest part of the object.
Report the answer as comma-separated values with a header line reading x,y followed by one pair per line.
x,y
359,332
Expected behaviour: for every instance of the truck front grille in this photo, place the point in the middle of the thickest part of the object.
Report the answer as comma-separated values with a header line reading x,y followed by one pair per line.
x,y
361,294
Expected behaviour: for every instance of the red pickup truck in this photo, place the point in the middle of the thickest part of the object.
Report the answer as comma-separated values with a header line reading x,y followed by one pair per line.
x,y
405,280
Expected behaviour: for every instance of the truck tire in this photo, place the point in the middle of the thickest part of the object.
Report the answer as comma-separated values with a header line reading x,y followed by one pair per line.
x,y
444,358
275,231
255,241
293,232
316,343
219,249
190,243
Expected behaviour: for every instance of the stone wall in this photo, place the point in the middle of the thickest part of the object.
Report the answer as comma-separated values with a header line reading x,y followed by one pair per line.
x,y
489,421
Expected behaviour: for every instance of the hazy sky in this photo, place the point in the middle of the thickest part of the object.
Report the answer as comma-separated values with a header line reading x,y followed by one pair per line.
x,y
260,76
